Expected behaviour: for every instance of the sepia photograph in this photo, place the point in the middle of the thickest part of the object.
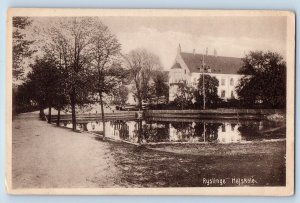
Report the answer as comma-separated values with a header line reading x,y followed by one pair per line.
x,y
150,102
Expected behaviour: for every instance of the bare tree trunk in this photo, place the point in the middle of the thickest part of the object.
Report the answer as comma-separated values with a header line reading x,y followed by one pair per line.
x,y
102,113
73,112
58,117
140,103
85,127
139,95
41,112
140,131
49,115
73,117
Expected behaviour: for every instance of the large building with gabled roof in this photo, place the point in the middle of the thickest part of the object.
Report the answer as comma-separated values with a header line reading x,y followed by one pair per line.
x,y
189,67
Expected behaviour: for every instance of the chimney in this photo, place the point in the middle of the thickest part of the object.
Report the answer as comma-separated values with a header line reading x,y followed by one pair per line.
x,y
194,52
206,51
215,53
179,49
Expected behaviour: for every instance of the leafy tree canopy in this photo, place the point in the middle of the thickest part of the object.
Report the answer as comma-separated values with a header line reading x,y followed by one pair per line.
x,y
21,46
160,87
211,85
264,82
184,95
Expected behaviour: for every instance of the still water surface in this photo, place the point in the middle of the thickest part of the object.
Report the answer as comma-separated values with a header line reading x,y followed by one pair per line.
x,y
212,131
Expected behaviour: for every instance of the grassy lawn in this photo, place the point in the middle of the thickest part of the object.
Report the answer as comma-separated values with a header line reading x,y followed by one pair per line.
x,y
192,165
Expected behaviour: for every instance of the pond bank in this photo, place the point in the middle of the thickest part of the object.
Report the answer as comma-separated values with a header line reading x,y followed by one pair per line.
x,y
257,147
272,114
215,113
97,116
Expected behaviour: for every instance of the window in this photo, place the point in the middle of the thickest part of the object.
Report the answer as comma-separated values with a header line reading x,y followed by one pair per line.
x,y
223,128
232,95
208,69
232,126
223,82
223,93
231,82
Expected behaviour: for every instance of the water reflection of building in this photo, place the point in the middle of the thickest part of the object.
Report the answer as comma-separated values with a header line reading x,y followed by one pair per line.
x,y
118,129
228,133
173,133
149,131
204,132
156,131
182,132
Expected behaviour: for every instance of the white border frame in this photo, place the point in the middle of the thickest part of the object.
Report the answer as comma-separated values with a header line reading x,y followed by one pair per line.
x,y
249,191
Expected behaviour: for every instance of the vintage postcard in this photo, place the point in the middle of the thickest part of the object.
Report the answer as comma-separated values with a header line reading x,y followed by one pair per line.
x,y
150,102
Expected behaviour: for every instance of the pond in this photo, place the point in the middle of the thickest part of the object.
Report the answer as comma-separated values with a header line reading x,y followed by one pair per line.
x,y
190,131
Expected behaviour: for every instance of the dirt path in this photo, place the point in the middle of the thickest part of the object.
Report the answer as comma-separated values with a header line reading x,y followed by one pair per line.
x,y
48,156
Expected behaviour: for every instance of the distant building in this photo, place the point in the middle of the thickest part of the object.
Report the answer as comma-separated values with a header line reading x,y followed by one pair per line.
x,y
188,67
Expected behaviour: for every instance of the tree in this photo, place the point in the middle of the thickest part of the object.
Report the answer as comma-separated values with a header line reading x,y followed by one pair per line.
x,y
211,85
264,80
61,99
184,95
121,95
141,64
69,42
21,46
23,99
160,87
43,85
104,51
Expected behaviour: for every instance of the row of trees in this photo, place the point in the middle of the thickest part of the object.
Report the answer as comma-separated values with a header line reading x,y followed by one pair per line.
x,y
80,63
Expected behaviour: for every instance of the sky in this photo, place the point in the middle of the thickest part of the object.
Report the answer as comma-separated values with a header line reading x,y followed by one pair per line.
x,y
229,36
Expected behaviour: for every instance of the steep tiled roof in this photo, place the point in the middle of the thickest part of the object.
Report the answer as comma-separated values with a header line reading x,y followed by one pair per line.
x,y
218,64
175,66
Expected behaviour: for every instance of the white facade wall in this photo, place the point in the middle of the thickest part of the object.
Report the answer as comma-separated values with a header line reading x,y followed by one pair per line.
x,y
227,82
172,92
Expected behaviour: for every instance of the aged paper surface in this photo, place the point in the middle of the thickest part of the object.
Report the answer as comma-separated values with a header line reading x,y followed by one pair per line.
x,y
147,146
